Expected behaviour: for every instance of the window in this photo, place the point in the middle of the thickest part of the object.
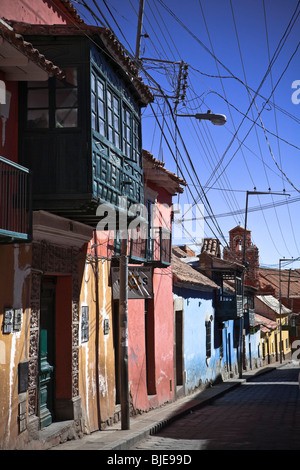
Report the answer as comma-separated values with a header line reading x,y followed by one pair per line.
x,y
113,119
98,105
66,103
238,286
208,338
127,127
135,140
54,103
38,104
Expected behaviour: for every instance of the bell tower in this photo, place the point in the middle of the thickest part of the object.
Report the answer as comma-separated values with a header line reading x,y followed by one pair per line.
x,y
235,253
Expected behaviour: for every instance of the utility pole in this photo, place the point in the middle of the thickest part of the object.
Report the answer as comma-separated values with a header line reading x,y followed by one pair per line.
x,y
139,31
123,335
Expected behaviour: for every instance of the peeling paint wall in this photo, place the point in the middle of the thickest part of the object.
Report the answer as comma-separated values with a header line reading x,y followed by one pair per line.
x,y
14,294
96,356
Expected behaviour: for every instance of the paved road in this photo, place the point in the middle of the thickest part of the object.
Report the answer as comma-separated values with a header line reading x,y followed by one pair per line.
x,y
262,414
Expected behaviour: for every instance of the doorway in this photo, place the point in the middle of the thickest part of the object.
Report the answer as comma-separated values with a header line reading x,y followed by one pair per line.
x,y
55,350
47,352
179,347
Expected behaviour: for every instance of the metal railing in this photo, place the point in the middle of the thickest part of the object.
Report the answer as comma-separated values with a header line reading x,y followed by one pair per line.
x,y
160,247
15,202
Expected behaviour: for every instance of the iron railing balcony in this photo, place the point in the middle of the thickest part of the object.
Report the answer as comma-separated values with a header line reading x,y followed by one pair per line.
x,y
160,247
15,203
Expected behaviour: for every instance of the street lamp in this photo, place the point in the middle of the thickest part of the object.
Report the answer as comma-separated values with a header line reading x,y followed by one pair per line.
x,y
216,119
248,193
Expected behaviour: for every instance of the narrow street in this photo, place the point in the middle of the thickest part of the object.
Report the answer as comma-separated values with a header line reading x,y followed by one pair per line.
x,y
262,414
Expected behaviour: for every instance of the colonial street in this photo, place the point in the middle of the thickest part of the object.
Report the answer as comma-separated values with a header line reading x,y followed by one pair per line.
x,y
262,414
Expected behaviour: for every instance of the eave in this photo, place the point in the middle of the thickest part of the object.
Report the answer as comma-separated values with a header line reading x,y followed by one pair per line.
x,y
20,61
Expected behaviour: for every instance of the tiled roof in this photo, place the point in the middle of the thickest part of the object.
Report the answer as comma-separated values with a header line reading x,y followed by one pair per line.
x,y
68,5
266,325
155,171
114,48
211,246
184,274
290,281
16,40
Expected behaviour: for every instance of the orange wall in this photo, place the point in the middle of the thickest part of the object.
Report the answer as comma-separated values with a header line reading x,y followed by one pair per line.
x,y
14,293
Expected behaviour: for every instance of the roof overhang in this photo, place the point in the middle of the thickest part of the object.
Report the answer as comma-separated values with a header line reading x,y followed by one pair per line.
x,y
20,61
156,173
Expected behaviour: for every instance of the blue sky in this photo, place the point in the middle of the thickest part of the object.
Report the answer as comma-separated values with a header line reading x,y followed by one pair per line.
x,y
228,46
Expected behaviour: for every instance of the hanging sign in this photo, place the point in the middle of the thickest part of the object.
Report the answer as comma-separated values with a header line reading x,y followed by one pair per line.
x,y
139,282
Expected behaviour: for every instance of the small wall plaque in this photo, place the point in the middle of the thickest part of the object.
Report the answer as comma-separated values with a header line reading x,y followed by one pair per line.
x,y
8,320
106,326
84,324
17,319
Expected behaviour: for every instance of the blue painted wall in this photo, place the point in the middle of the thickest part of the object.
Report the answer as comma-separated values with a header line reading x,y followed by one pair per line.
x,y
198,308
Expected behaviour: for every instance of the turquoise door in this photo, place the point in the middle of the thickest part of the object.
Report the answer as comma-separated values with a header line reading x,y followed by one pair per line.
x,y
47,352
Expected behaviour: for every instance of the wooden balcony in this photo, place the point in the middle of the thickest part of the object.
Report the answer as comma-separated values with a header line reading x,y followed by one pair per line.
x,y
228,307
15,203
249,317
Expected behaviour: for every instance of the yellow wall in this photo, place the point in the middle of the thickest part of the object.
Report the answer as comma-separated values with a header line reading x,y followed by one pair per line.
x,y
97,392
15,261
274,336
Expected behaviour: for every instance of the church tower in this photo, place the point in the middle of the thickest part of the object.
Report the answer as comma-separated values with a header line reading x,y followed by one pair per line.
x,y
235,253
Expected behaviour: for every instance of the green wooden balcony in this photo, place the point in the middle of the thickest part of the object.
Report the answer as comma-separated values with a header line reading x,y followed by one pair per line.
x,y
15,203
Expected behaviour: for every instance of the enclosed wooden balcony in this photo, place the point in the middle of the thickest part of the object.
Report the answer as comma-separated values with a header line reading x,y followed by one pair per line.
x,y
15,203
228,307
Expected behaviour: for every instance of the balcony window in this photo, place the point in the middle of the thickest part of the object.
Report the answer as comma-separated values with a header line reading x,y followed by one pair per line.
x,y
127,132
113,119
54,103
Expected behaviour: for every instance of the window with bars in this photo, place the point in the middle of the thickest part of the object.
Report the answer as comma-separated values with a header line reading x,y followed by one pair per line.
x,y
208,338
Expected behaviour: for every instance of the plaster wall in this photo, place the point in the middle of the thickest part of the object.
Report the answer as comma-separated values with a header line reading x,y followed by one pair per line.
x,y
97,355
34,11
199,369
14,293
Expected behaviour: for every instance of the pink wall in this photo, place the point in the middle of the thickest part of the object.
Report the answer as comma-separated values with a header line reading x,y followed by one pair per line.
x,y
35,11
160,335
161,360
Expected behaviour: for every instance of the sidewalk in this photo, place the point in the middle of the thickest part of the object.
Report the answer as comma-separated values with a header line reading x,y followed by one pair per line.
x,y
141,426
